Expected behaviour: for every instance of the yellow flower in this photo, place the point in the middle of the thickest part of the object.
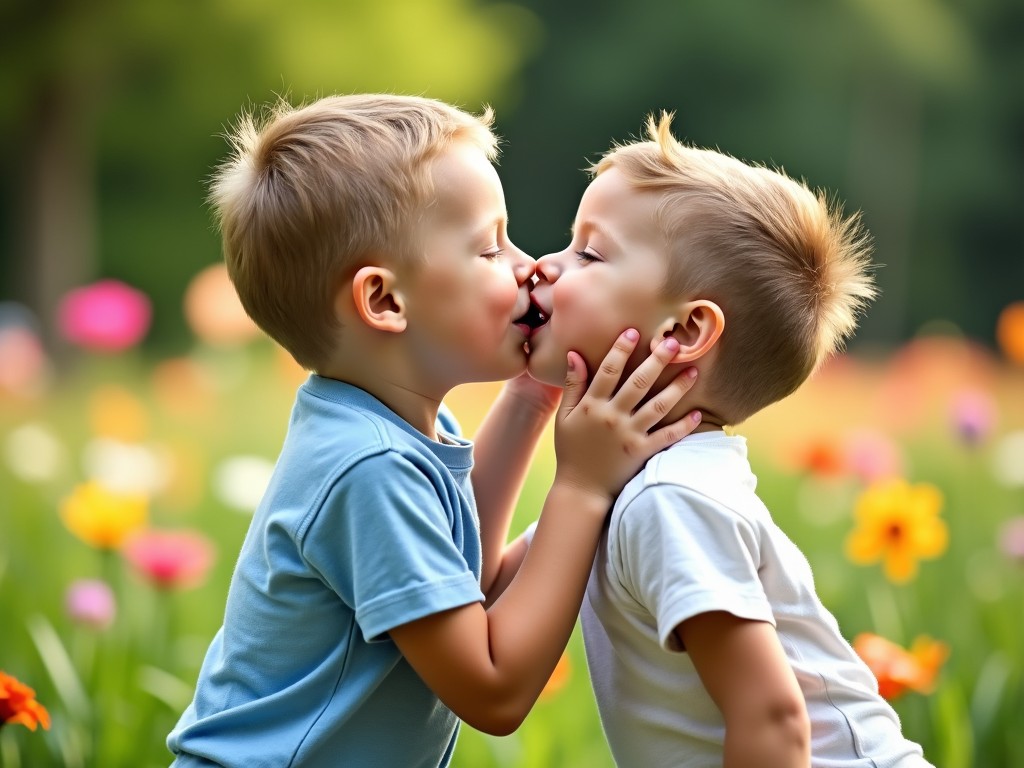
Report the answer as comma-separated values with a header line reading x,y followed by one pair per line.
x,y
117,413
103,518
899,524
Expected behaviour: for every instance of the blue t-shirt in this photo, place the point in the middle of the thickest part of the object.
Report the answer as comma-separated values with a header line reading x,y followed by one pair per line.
x,y
367,524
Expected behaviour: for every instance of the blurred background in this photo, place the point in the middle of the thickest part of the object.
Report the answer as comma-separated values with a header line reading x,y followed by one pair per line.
x,y
140,412
912,112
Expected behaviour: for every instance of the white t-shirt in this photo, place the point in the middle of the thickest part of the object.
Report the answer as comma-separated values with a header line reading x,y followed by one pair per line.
x,y
688,535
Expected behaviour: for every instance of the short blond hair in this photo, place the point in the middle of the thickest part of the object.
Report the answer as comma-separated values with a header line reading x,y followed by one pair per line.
x,y
311,193
791,273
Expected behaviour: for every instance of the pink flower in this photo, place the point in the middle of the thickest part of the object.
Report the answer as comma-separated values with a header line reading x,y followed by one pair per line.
x,y
873,456
1011,539
24,367
973,413
91,602
107,316
170,559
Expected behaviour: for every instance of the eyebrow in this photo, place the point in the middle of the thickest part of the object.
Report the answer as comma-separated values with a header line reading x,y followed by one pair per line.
x,y
595,227
495,224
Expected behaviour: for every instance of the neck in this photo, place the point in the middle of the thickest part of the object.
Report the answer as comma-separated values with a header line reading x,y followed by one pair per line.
x,y
709,420
698,398
385,382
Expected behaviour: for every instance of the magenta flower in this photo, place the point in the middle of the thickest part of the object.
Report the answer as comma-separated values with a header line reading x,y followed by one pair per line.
x,y
90,602
107,316
170,559
973,414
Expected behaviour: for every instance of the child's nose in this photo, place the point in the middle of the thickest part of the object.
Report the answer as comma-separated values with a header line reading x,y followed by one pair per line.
x,y
548,268
523,267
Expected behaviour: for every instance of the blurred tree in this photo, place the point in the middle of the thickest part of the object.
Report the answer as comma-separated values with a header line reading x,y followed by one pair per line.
x,y
908,111
112,113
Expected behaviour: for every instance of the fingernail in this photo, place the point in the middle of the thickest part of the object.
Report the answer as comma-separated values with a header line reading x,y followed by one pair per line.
x,y
691,373
671,344
569,362
632,334
696,417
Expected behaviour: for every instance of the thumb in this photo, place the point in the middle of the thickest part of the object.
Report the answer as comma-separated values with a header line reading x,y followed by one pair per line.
x,y
575,383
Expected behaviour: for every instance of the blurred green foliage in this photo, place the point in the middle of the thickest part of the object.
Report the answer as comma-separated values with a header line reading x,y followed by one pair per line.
x,y
911,111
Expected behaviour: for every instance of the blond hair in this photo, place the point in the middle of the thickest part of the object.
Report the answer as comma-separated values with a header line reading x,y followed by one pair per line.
x,y
310,193
789,270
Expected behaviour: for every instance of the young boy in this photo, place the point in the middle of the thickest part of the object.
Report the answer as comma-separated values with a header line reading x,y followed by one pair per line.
x,y
367,235
706,642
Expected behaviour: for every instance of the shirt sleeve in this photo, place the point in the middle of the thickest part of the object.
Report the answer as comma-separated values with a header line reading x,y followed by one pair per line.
x,y
680,554
384,543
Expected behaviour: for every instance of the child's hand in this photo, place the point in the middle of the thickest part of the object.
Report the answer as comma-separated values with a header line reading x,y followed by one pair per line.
x,y
603,439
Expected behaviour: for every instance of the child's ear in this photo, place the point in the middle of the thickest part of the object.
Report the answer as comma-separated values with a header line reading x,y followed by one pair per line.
x,y
377,299
697,326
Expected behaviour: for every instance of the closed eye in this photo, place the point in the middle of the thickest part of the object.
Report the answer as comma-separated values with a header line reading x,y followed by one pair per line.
x,y
585,257
492,255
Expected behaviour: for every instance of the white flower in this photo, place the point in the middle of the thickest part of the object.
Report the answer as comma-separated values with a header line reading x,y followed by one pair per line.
x,y
240,481
126,467
1008,461
34,453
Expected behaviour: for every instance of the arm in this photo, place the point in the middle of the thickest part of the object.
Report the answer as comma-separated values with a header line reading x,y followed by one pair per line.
x,y
489,666
745,671
503,448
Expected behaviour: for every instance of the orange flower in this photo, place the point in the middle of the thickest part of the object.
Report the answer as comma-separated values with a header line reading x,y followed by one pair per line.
x,y
559,677
214,312
1010,332
18,704
822,457
103,518
898,670
899,524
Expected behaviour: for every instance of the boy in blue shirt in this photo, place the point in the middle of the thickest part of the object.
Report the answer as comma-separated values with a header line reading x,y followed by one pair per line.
x,y
706,641
373,602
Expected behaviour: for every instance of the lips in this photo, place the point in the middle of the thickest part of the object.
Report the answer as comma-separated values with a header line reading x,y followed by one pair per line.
x,y
533,318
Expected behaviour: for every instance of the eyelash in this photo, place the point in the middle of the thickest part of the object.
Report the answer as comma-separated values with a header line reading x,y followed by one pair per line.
x,y
492,255
585,257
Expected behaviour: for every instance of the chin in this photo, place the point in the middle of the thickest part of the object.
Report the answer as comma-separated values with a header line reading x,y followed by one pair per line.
x,y
547,371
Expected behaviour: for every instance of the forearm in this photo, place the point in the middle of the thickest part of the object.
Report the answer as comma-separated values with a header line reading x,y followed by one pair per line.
x,y
511,560
531,622
503,449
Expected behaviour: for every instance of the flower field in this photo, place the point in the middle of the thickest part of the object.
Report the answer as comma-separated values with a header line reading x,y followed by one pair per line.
x,y
126,485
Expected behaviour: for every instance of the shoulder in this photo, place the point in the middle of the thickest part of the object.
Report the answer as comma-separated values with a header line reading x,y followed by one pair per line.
x,y
709,469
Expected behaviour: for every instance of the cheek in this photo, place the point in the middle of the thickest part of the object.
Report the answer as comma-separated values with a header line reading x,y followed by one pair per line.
x,y
495,300
582,321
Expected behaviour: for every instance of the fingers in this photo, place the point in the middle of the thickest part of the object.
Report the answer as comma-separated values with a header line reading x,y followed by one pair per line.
x,y
663,437
640,382
575,382
655,409
608,374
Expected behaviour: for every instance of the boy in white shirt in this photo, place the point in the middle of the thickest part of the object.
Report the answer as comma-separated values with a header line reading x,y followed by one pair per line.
x,y
706,642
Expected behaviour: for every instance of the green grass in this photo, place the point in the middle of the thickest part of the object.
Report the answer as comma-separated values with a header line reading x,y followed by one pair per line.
x,y
114,695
